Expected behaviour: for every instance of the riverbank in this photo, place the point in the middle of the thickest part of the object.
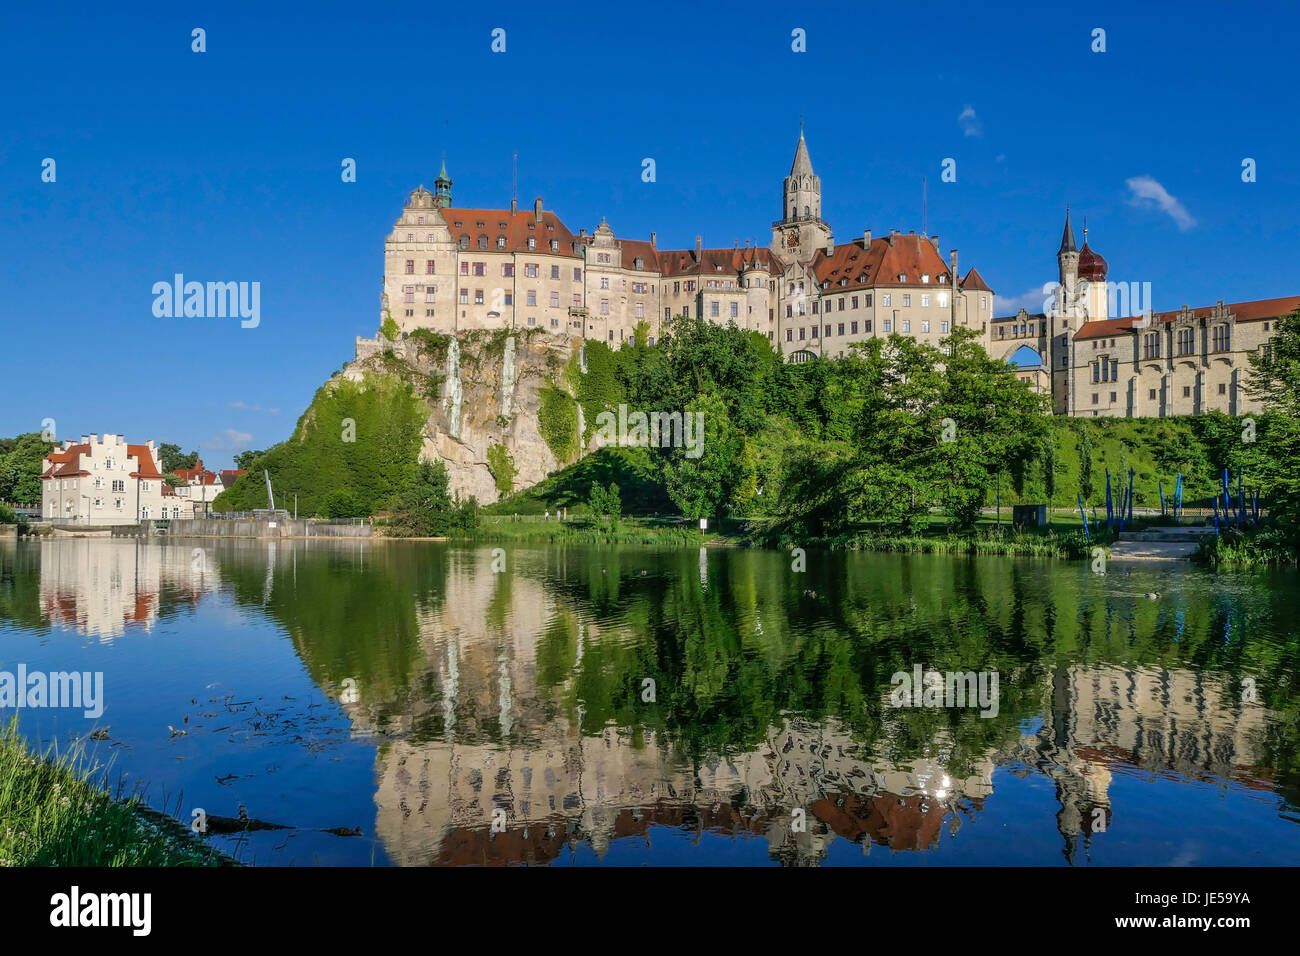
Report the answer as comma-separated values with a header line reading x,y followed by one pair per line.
x,y
1072,544
52,815
1237,551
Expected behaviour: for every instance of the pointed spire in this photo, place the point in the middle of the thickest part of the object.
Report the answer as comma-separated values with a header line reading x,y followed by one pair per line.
x,y
1067,237
802,165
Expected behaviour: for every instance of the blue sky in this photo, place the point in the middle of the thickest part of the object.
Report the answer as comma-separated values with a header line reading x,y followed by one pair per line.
x,y
225,165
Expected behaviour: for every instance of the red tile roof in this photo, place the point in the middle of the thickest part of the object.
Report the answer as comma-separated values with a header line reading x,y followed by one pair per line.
x,y
634,248
516,227
974,282
143,455
1243,311
852,265
709,262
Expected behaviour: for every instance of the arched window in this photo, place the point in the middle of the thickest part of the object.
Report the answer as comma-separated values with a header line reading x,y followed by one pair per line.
x,y
807,212
482,242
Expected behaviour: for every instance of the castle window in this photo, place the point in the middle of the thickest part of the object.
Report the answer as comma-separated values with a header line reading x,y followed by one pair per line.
x,y
480,268
482,242
555,245
907,300
735,310
639,309
555,300
885,300
943,327
887,325
943,300
925,277
464,267
430,267
604,282
713,309
464,241
531,297
577,301
604,306
801,333
501,242
807,211
925,325
532,242
555,272
1223,389
789,334
410,237
925,299
639,263
1187,391
855,302
419,220
907,325
1151,394
530,270
478,296
410,267
868,297
507,270
532,320
1094,398
429,238
1220,338
840,328
577,275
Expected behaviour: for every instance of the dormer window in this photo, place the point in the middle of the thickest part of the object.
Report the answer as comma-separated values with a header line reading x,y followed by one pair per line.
x,y
925,277
482,242
464,241
639,263
532,242
501,242
902,277
555,245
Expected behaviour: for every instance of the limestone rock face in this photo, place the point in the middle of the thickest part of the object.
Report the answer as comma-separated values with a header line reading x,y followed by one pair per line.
x,y
481,389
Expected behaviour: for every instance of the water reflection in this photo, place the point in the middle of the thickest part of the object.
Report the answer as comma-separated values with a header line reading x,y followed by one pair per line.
x,y
635,705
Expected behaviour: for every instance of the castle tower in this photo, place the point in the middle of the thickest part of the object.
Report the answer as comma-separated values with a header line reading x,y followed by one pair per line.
x,y
442,186
1092,269
1065,318
800,231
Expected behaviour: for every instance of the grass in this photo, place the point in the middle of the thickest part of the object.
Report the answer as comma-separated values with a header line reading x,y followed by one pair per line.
x,y
1048,545
1253,549
52,815
589,531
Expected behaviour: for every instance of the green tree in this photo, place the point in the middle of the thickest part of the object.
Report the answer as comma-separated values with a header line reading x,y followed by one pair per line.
x,y
21,461
173,458
426,509
605,503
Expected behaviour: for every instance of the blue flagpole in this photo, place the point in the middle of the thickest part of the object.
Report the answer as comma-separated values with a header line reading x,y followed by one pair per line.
x,y
1084,515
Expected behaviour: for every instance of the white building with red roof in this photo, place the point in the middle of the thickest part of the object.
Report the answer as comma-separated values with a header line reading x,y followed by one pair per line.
x,y
105,481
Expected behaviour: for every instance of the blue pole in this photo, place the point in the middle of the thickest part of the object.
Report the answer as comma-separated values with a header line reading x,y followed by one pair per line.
x,y
1161,486
1084,515
1215,502
1178,497
1110,503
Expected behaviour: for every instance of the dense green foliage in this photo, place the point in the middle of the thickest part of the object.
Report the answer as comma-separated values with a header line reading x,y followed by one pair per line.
x,y
425,509
20,467
557,420
605,503
502,467
173,458
353,452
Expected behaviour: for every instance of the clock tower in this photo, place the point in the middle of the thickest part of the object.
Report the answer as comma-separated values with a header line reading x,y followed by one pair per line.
x,y
800,231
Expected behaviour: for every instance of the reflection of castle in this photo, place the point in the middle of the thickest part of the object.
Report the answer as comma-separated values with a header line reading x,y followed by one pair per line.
x,y
101,586
559,782
1159,721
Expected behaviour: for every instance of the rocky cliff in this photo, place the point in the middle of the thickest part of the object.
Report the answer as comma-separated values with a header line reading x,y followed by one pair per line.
x,y
499,413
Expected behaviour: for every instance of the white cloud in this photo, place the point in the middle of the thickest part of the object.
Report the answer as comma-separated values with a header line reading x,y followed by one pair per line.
x,y
1031,301
970,123
243,406
1147,192
230,439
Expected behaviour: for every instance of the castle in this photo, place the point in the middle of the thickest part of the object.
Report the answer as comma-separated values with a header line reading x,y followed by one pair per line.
x,y
453,269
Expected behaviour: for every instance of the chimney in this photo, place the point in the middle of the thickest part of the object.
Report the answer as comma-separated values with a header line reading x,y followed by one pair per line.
x,y
652,240
582,233
954,266
514,206
866,238
537,208
830,245
892,234
85,439
94,439
149,443
699,247
934,240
